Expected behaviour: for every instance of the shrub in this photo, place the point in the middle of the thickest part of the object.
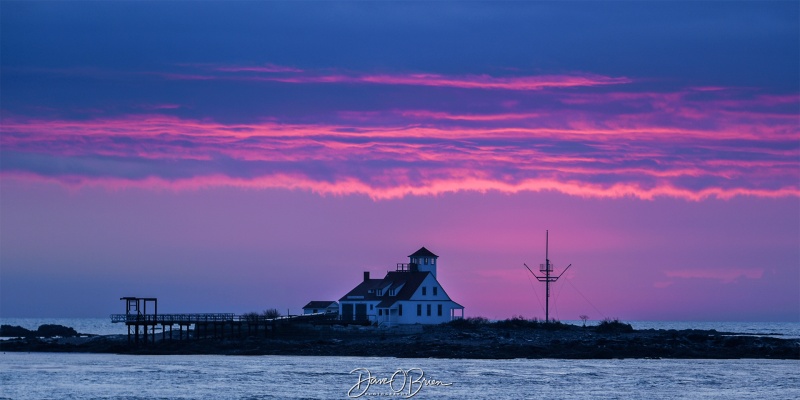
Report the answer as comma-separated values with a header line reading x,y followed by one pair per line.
x,y
555,325
272,313
471,322
518,321
251,317
613,326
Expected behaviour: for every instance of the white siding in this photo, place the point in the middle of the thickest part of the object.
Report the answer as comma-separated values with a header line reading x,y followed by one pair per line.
x,y
410,313
429,283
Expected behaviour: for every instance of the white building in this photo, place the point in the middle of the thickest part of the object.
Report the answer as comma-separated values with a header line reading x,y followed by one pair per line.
x,y
410,294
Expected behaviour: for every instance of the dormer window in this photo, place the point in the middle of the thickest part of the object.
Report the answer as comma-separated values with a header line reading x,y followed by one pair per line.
x,y
435,290
391,292
424,291
380,292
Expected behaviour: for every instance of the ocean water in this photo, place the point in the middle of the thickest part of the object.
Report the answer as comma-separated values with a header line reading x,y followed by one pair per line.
x,y
106,376
786,330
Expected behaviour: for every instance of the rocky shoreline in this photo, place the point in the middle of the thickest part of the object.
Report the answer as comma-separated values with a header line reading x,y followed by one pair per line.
x,y
501,340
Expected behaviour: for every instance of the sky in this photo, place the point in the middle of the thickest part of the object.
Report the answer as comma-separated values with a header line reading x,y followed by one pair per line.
x,y
239,156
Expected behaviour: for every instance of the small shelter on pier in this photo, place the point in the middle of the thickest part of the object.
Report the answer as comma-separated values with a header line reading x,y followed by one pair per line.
x,y
316,307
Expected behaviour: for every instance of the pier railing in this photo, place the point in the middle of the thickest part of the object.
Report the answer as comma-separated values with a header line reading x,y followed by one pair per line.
x,y
172,318
151,319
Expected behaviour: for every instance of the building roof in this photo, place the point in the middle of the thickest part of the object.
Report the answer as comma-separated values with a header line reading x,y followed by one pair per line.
x,y
319,304
410,281
423,252
362,290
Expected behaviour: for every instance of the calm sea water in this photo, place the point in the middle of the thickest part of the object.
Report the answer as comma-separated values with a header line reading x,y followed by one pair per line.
x,y
106,376
103,326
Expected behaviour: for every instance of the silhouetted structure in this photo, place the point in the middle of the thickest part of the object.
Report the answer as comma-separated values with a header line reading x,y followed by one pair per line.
x,y
136,316
547,268
205,325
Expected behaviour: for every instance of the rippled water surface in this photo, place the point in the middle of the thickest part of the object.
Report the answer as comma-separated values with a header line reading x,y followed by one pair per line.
x,y
107,376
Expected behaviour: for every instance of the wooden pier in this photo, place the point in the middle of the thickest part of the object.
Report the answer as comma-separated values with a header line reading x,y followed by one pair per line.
x,y
142,324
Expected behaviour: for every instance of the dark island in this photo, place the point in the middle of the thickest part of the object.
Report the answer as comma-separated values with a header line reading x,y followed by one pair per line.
x,y
44,331
464,338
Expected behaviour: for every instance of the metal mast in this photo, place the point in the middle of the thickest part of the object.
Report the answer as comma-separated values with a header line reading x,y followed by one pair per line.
x,y
547,269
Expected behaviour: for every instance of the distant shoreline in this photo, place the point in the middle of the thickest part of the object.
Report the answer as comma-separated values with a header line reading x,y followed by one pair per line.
x,y
467,340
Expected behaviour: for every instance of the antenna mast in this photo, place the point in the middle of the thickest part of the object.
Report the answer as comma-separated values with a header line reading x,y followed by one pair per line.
x,y
547,269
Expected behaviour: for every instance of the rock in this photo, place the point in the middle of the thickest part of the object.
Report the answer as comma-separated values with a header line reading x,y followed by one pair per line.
x,y
49,330
46,330
14,331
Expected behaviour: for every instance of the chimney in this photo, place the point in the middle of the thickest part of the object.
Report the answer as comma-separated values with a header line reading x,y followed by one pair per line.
x,y
366,276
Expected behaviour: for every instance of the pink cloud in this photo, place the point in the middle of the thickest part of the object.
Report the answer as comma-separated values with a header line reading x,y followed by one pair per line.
x,y
672,149
267,68
724,99
708,88
424,114
155,107
728,275
489,82
267,73
353,186
183,77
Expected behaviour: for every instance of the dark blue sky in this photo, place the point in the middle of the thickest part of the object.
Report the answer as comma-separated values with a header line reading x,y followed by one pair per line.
x,y
710,43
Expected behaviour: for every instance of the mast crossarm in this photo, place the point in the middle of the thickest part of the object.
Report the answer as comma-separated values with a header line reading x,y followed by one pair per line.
x,y
534,274
562,272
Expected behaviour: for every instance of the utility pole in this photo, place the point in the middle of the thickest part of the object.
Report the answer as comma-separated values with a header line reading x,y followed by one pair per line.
x,y
547,269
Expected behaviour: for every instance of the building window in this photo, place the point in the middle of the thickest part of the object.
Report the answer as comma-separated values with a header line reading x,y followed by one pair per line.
x,y
391,292
314,311
435,290
419,310
380,292
370,306
439,310
429,310
380,312
426,260
433,261
424,291
400,310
